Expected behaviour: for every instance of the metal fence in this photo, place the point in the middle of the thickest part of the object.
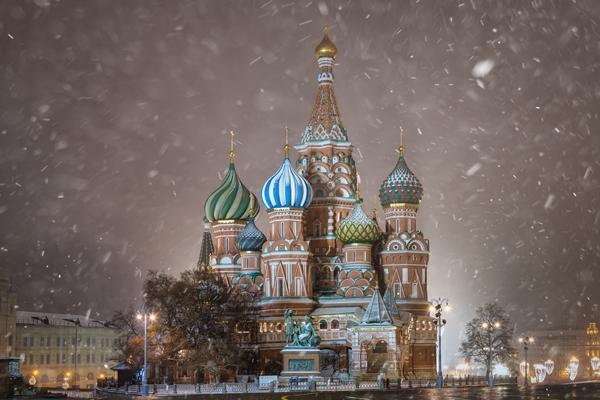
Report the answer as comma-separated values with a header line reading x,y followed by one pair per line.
x,y
301,386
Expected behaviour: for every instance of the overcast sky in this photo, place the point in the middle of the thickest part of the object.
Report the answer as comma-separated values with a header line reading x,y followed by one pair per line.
x,y
114,120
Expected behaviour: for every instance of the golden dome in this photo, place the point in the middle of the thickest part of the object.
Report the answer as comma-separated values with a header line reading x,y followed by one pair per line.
x,y
326,48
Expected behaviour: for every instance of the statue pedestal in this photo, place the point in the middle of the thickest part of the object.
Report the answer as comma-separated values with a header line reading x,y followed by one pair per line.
x,y
301,362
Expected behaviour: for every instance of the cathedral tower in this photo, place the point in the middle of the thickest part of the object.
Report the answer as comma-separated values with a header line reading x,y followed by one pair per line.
x,y
286,256
228,209
325,160
405,253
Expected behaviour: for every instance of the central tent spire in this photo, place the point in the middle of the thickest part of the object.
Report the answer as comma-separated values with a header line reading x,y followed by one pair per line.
x,y
325,121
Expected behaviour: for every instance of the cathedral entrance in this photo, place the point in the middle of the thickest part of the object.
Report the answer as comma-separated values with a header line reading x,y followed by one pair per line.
x,y
378,358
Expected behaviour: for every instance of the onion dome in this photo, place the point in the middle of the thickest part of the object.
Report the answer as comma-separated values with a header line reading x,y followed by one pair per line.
x,y
286,189
231,200
326,48
250,238
401,186
357,227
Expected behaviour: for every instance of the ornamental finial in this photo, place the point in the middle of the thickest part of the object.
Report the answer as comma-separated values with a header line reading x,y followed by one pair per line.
x,y
374,206
251,205
401,148
287,146
357,188
231,152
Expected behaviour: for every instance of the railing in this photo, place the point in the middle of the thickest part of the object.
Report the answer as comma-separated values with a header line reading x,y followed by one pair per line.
x,y
303,386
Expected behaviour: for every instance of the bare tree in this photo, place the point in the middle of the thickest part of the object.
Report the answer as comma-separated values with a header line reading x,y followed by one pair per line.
x,y
490,333
331,356
198,316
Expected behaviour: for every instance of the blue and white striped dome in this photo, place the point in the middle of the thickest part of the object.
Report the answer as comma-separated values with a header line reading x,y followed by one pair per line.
x,y
286,189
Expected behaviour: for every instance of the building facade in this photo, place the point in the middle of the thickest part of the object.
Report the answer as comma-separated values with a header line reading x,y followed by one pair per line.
x,y
363,287
60,348
561,346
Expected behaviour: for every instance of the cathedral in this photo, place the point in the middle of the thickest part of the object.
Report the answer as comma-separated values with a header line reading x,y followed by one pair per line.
x,y
363,286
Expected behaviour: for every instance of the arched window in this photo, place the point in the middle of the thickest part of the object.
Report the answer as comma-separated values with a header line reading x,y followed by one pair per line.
x,y
335,324
90,377
317,230
45,378
322,324
59,378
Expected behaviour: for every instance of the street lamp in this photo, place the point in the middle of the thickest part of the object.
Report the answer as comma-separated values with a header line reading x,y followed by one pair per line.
x,y
489,326
77,323
144,376
526,340
595,361
439,322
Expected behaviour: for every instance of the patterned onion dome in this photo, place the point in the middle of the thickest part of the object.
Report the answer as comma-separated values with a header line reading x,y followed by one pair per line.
x,y
250,239
286,189
401,186
357,227
230,201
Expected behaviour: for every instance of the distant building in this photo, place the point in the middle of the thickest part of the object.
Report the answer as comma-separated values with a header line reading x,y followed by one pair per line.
x,y
54,349
561,346
363,287
8,318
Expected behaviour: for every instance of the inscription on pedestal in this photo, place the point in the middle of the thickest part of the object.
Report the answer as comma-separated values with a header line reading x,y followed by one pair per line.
x,y
302,365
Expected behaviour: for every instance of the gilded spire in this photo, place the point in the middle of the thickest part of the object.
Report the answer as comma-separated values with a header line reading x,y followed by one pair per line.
x,y
231,152
251,205
375,207
357,188
287,145
401,148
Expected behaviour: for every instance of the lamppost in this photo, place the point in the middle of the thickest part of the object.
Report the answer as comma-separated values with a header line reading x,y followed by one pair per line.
x,y
77,323
489,325
595,361
144,376
437,307
526,340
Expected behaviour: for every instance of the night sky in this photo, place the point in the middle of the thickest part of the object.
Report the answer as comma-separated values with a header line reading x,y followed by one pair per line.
x,y
114,121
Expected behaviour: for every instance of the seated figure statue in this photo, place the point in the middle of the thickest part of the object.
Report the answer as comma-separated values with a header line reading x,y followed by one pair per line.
x,y
308,336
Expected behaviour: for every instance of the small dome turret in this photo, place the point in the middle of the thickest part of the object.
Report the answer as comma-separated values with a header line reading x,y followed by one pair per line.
x,y
401,185
357,227
250,238
286,189
231,200
326,48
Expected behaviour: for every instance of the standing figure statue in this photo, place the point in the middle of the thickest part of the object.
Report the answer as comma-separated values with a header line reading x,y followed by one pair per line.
x,y
291,333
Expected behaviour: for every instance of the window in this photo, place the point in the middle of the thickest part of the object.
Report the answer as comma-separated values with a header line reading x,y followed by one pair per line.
x,y
64,358
31,359
47,358
72,358
24,358
93,341
42,341
280,283
87,358
87,342
58,358
48,340
93,358
227,244
31,341
353,292
72,341
42,359
24,342
335,324
79,358
322,324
